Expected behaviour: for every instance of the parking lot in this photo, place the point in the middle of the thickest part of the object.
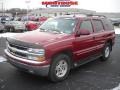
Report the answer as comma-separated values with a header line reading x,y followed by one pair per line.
x,y
95,75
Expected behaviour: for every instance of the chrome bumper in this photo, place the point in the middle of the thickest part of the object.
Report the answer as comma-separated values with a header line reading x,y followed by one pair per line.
x,y
34,69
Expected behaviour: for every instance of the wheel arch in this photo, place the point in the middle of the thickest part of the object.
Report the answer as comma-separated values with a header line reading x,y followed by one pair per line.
x,y
66,52
110,42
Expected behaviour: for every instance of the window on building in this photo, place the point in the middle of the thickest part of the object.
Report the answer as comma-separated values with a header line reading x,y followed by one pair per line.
x,y
55,14
40,14
60,13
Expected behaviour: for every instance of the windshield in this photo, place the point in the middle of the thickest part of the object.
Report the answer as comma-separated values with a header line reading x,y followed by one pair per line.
x,y
58,25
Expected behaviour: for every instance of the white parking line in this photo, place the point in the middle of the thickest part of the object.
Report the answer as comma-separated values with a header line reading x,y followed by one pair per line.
x,y
2,59
116,88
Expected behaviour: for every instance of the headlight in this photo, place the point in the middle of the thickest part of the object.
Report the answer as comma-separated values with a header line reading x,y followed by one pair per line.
x,y
38,54
36,51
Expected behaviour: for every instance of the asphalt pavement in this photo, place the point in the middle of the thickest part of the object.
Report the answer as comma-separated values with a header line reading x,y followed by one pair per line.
x,y
95,75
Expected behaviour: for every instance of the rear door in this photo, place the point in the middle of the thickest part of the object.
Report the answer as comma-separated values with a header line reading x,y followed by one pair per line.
x,y
99,34
84,45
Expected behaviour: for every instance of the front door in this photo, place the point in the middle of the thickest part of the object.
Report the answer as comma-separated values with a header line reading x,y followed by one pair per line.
x,y
84,45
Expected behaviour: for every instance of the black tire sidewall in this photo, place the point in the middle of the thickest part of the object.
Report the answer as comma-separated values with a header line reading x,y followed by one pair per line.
x,y
58,58
103,53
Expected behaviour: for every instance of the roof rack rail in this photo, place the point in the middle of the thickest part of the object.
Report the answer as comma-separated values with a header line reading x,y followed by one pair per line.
x,y
91,15
86,15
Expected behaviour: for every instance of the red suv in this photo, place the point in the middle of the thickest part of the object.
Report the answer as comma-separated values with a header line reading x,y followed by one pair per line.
x,y
60,44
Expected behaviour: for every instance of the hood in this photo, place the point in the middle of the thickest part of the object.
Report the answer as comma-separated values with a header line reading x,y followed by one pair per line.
x,y
38,37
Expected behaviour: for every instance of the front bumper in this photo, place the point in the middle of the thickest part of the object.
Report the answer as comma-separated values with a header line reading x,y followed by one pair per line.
x,y
20,28
33,67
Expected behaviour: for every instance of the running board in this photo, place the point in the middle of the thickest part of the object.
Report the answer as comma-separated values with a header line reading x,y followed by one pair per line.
x,y
87,60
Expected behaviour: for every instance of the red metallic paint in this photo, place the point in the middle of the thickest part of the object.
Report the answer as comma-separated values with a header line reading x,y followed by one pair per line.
x,y
81,46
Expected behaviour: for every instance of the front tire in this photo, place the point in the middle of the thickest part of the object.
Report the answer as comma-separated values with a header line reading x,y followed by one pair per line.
x,y
60,68
106,52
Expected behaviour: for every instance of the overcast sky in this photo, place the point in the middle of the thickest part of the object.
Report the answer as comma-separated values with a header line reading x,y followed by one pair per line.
x,y
97,5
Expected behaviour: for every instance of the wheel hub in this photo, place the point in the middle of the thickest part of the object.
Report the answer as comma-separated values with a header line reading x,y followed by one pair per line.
x,y
61,68
107,52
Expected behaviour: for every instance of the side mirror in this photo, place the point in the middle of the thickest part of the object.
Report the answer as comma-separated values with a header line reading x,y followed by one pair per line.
x,y
82,32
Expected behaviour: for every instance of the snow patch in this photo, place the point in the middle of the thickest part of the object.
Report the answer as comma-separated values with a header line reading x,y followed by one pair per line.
x,y
8,34
2,59
116,88
117,30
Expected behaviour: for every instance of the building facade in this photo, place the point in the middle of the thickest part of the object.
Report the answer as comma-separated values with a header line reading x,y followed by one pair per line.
x,y
52,12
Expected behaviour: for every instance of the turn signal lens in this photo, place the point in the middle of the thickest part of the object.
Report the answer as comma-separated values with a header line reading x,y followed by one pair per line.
x,y
37,58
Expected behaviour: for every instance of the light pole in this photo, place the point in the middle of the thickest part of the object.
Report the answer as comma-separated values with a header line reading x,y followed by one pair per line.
x,y
16,14
27,2
2,7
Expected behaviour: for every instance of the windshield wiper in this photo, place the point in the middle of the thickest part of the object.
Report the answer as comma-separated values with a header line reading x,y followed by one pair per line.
x,y
42,30
56,31
51,30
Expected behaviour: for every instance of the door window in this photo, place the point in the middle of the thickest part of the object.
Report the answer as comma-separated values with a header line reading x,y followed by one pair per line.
x,y
87,26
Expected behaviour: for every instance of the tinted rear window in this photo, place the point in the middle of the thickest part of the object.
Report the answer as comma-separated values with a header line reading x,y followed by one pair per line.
x,y
107,24
98,25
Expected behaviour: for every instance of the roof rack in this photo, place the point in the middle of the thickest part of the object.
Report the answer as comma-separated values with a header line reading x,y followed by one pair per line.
x,y
86,15
91,15
76,15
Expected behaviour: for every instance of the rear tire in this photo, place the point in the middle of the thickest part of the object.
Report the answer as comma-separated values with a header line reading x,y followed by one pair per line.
x,y
106,52
60,68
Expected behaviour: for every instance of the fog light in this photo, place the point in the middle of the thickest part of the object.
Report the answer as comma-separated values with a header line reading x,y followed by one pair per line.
x,y
32,57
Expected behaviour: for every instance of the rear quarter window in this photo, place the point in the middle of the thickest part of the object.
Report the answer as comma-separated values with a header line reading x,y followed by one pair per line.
x,y
107,24
98,25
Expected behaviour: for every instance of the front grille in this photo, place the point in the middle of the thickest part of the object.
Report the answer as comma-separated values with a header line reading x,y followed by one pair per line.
x,y
17,53
18,47
14,49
